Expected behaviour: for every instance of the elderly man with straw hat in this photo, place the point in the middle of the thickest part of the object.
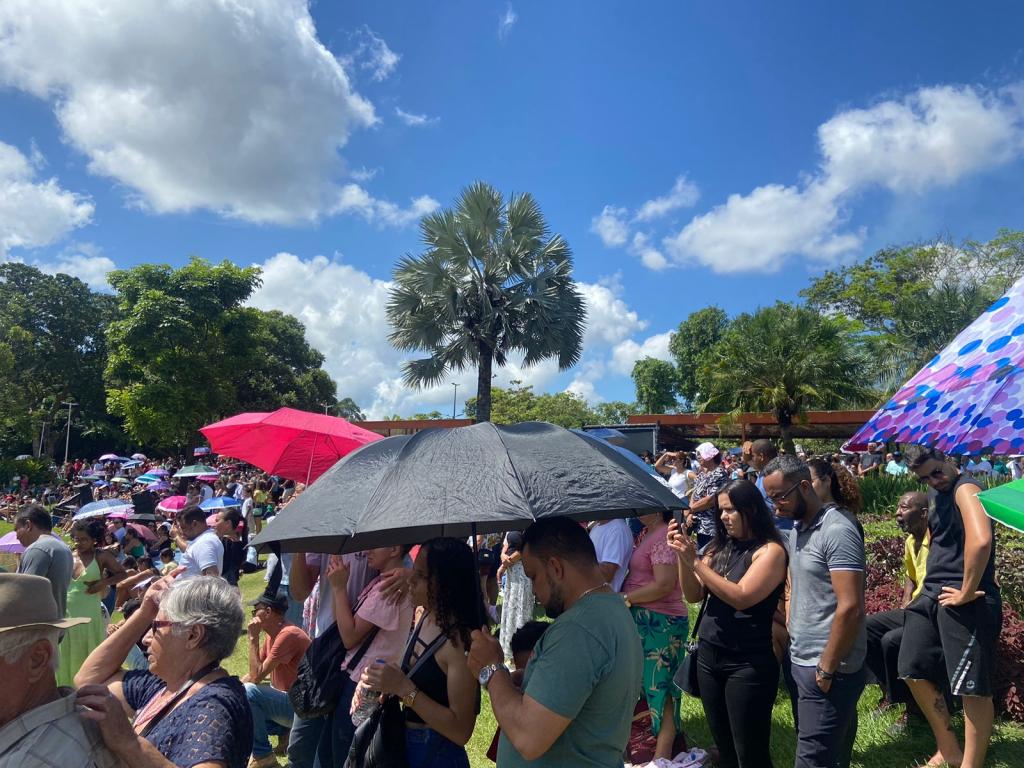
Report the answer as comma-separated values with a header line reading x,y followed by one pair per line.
x,y
40,725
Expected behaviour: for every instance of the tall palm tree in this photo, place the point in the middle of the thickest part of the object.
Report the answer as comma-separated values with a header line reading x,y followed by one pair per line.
x,y
786,360
493,281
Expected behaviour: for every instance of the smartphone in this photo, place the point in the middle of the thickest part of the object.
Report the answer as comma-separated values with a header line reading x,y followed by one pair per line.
x,y
678,514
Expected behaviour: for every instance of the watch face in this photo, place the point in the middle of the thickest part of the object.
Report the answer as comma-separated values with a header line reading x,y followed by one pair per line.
x,y
485,675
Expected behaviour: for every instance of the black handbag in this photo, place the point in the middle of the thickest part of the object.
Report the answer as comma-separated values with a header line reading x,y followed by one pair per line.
x,y
379,741
685,677
320,677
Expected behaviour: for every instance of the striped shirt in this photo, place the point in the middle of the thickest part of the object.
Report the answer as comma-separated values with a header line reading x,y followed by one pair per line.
x,y
54,736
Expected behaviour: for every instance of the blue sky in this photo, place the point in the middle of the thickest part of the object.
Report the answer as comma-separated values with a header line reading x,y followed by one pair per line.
x,y
691,153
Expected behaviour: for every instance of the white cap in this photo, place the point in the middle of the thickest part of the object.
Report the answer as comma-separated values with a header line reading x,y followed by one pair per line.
x,y
707,451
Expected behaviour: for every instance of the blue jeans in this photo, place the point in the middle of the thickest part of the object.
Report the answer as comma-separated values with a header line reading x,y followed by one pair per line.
x,y
271,716
323,742
426,748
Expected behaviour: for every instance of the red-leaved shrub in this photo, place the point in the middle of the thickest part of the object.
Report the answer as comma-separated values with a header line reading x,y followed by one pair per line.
x,y
1009,682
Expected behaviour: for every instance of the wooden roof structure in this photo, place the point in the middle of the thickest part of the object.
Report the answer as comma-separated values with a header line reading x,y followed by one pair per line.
x,y
750,426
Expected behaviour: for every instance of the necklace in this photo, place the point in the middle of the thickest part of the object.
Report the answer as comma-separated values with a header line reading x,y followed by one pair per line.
x,y
593,589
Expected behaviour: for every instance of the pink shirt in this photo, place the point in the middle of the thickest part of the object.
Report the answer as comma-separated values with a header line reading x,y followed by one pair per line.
x,y
395,622
653,550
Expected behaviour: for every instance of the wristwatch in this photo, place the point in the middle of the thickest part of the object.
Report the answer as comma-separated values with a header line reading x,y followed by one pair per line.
x,y
823,674
488,672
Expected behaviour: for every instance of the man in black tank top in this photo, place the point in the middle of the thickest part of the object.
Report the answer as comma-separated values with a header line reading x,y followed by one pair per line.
x,y
959,609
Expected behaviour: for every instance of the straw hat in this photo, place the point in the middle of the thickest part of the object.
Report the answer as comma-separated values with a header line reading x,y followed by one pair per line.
x,y
27,601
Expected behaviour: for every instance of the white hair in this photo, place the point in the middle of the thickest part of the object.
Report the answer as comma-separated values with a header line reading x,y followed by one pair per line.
x,y
15,643
209,602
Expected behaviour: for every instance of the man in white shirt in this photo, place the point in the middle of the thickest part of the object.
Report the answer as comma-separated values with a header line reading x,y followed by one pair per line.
x,y
205,492
204,551
613,542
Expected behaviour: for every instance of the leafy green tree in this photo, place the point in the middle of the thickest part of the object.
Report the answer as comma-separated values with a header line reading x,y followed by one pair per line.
x,y
690,345
52,349
493,282
185,352
614,412
913,300
520,403
280,366
656,385
348,409
432,416
786,360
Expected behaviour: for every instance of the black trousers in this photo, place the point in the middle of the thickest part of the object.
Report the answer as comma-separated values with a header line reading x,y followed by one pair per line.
x,y
885,633
828,721
737,692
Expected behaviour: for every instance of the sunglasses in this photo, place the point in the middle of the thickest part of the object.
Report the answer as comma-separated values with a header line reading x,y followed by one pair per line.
x,y
161,624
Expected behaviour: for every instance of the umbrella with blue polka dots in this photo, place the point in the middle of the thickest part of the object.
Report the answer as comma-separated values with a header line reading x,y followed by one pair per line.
x,y
969,398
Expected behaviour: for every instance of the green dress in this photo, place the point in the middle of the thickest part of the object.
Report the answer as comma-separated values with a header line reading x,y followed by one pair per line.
x,y
78,642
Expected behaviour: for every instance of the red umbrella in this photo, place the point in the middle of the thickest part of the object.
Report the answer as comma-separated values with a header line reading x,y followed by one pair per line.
x,y
296,445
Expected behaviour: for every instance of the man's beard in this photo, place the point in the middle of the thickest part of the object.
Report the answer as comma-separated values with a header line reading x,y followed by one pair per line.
x,y
800,512
902,524
555,604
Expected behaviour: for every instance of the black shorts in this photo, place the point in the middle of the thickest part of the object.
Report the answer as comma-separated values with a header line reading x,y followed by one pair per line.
x,y
966,634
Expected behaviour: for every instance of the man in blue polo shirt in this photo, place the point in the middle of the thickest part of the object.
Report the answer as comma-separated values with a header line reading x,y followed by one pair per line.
x,y
826,613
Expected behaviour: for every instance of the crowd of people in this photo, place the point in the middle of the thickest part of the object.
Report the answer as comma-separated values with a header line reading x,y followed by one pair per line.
x,y
769,546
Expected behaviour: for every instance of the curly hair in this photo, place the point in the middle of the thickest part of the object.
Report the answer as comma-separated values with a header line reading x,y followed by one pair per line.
x,y
453,592
94,529
842,484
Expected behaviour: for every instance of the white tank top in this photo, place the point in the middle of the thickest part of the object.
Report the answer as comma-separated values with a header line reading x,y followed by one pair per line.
x,y
679,483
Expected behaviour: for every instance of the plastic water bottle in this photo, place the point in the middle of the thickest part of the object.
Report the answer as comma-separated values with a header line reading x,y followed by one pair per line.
x,y
368,702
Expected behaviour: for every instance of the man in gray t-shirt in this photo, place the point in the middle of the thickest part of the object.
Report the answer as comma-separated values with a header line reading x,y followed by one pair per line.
x,y
45,555
826,614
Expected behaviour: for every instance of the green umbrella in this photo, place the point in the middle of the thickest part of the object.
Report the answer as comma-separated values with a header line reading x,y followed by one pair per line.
x,y
196,470
1005,504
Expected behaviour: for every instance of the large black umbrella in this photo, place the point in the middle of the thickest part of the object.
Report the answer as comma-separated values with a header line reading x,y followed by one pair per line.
x,y
457,482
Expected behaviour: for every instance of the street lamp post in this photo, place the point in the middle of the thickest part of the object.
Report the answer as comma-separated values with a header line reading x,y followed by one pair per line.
x,y
67,439
455,397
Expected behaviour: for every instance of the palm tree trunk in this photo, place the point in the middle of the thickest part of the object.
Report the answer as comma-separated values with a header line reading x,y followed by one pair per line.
x,y
786,432
483,382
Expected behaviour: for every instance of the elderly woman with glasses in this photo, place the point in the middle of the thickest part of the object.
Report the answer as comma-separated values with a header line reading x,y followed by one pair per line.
x,y
185,711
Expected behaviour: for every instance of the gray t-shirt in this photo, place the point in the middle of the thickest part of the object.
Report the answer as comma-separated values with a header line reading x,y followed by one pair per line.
x,y
830,543
50,557
586,667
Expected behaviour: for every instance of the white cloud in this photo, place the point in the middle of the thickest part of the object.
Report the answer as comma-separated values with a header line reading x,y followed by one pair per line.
x,y
627,352
756,231
650,256
84,261
372,54
684,194
610,225
934,136
354,199
507,21
415,120
609,318
363,174
35,212
931,137
236,108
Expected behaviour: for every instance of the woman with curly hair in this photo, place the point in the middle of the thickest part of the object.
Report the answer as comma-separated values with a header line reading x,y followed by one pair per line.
x,y
442,699
834,484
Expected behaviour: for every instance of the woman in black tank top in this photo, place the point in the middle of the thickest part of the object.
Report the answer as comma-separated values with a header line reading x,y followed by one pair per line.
x,y
442,698
741,578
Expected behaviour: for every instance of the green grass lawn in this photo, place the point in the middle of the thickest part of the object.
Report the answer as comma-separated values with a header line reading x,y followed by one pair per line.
x,y
876,746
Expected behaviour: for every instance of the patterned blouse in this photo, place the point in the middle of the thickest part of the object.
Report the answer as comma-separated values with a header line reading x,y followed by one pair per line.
x,y
212,725
707,483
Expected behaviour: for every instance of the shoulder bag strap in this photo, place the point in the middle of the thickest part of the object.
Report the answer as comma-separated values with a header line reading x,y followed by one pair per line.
x,y
365,645
700,613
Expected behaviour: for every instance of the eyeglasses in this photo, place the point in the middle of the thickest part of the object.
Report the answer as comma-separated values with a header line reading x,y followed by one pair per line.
x,y
776,498
160,624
